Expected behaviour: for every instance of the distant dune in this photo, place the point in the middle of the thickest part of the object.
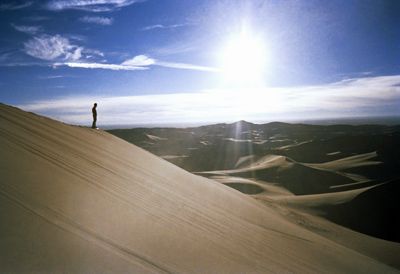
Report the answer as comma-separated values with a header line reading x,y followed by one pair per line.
x,y
78,200
286,172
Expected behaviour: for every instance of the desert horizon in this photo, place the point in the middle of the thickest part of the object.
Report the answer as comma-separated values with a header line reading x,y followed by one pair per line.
x,y
354,121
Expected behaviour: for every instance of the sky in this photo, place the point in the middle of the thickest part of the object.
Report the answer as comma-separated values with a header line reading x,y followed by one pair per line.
x,y
200,61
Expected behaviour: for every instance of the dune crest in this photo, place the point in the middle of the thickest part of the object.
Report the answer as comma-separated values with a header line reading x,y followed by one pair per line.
x,y
79,200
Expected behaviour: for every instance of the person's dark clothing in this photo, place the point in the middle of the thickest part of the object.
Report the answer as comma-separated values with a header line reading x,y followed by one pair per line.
x,y
94,112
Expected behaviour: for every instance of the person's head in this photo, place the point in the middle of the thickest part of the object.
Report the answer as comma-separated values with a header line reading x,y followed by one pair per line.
x,y
95,104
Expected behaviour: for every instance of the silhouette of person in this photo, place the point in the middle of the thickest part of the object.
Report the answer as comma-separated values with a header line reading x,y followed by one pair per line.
x,y
94,112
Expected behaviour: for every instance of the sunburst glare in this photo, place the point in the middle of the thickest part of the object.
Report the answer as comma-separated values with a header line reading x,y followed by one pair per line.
x,y
244,60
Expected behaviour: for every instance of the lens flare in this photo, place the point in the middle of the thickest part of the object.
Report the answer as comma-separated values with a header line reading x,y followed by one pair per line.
x,y
244,60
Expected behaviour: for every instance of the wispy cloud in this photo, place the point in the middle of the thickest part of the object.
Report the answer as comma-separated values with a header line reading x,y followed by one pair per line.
x,y
355,97
143,60
51,77
160,26
92,53
15,5
89,5
105,21
13,58
139,62
27,29
99,66
48,47
58,48
23,64
5,56
76,37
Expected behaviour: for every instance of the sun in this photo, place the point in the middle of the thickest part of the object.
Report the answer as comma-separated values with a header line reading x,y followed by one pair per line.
x,y
243,60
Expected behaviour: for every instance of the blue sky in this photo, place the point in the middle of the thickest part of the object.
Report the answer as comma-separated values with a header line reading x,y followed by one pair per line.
x,y
200,61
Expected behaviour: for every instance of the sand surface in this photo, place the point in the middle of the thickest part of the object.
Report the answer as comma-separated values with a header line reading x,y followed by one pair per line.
x,y
78,200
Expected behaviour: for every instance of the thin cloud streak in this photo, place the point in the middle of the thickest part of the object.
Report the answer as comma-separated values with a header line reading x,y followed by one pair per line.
x,y
100,66
99,20
15,6
160,26
51,77
27,29
356,97
136,63
90,5
25,64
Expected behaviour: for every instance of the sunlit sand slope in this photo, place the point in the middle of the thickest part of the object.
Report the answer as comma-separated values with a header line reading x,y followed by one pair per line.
x,y
77,200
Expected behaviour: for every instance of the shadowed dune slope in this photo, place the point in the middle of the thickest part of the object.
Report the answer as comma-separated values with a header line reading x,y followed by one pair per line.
x,y
77,200
298,178
374,212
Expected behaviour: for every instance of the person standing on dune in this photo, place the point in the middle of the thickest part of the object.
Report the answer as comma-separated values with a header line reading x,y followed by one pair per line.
x,y
94,112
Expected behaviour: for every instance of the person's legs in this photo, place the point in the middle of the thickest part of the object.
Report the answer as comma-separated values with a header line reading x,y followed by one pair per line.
x,y
94,122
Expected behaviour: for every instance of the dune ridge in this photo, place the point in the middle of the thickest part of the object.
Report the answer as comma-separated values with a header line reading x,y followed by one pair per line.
x,y
79,200
286,171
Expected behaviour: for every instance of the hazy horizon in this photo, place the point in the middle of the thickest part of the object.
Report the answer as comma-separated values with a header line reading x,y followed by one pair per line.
x,y
383,120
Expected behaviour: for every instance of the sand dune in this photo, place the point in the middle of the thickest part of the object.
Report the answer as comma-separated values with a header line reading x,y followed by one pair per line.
x,y
324,199
77,200
359,160
287,172
252,165
252,186
155,138
245,161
